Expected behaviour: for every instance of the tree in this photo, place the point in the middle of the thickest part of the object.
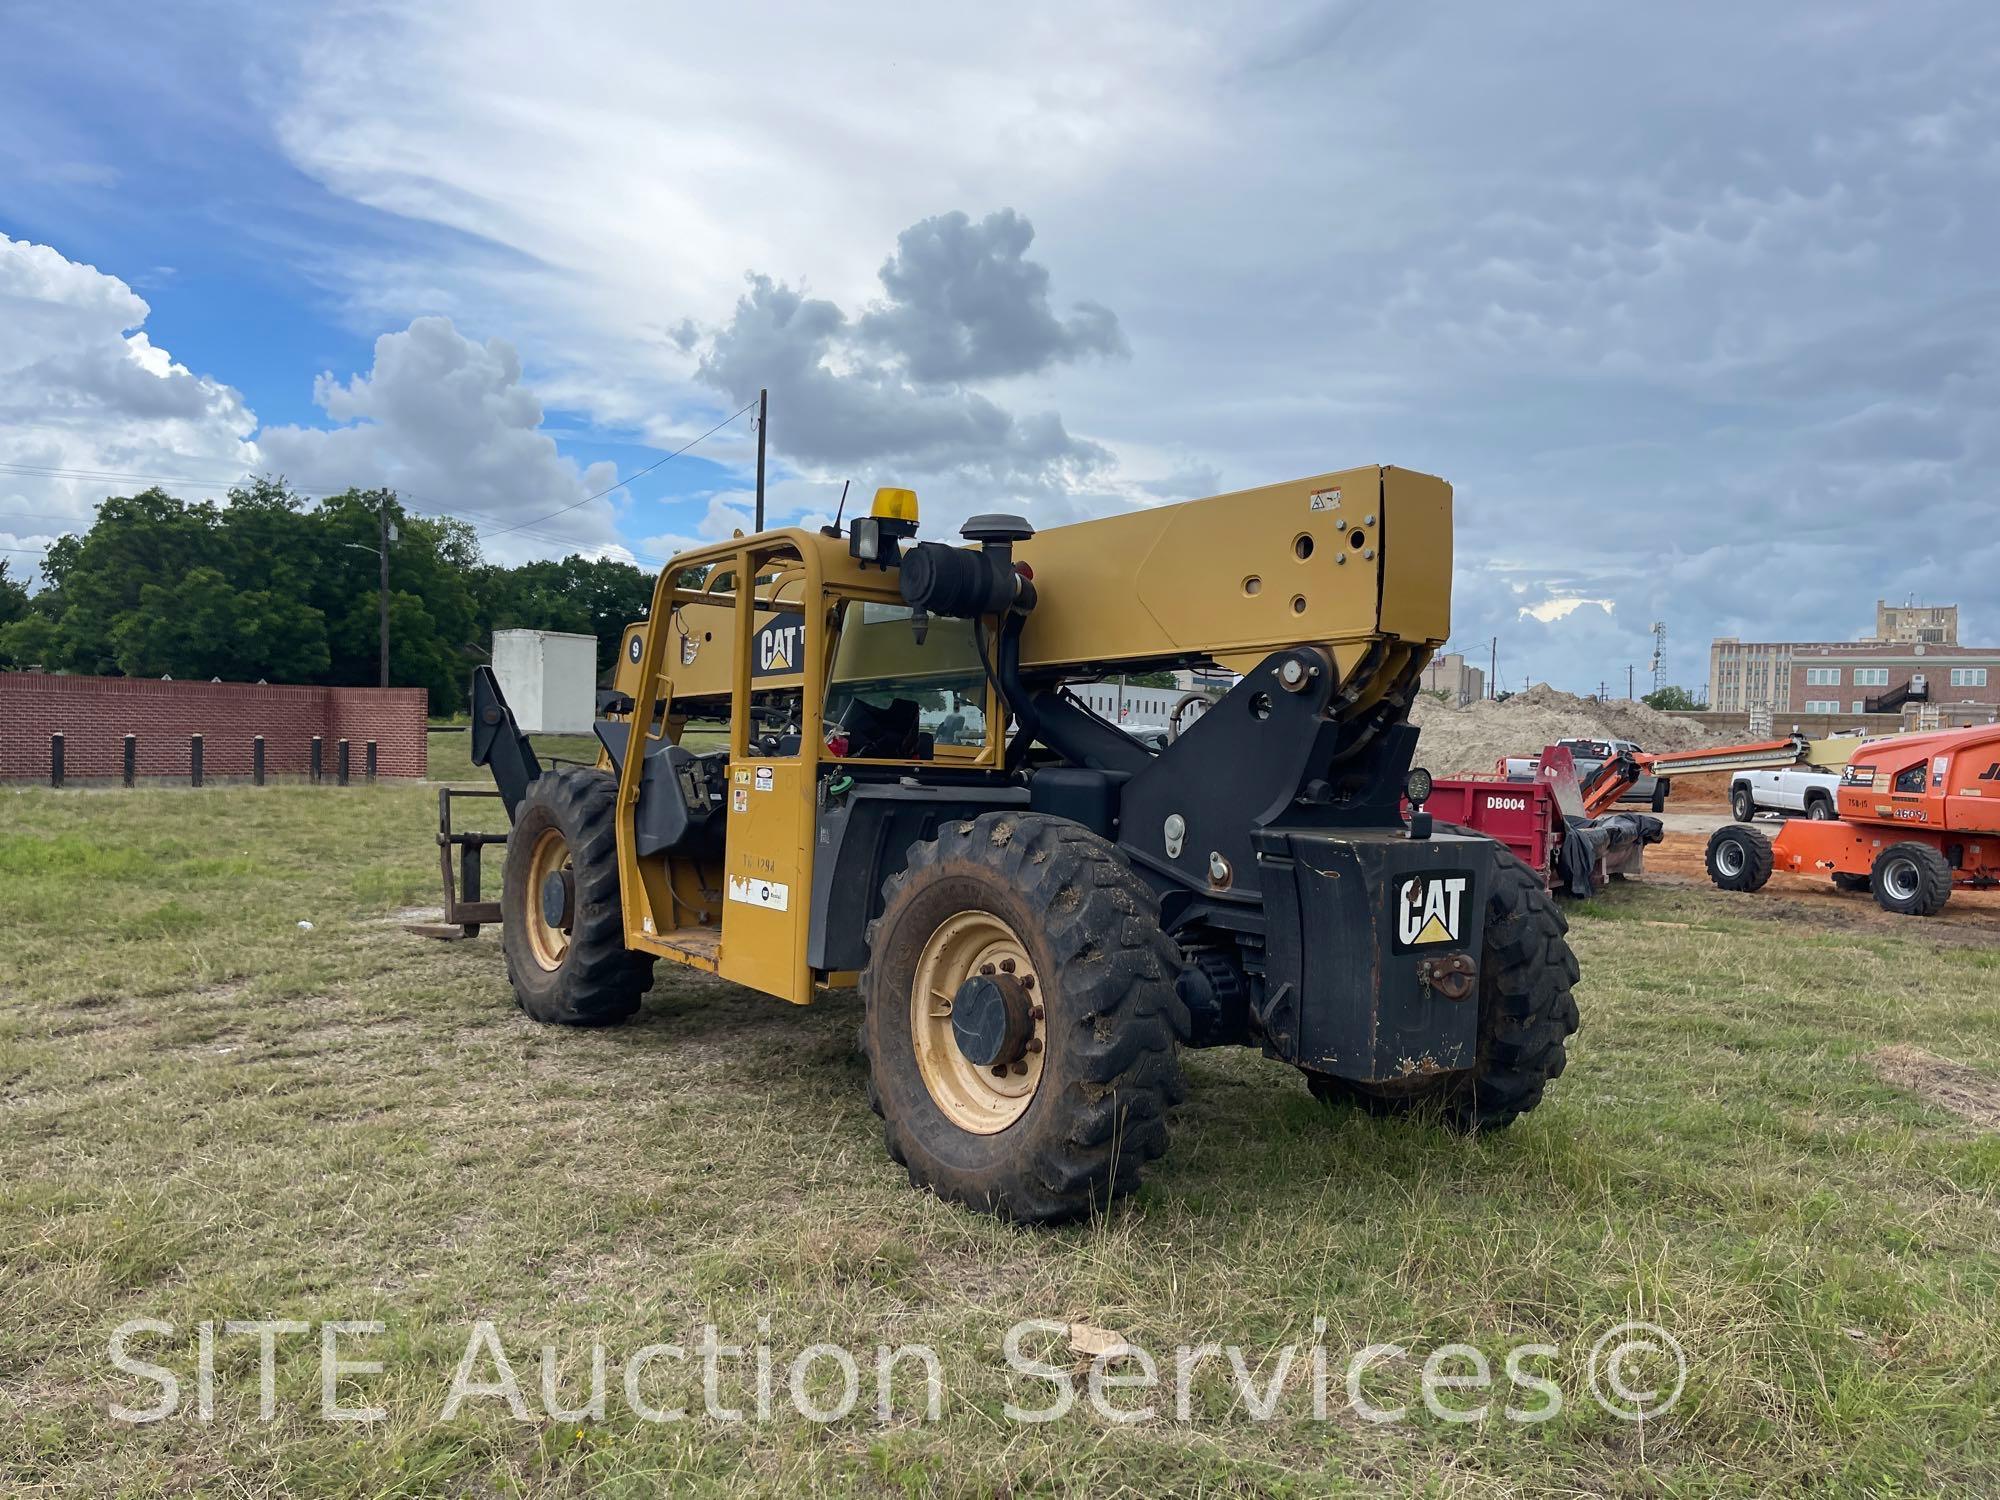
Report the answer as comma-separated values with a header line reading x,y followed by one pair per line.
x,y
1669,699
13,597
27,635
31,641
201,627
1151,680
269,586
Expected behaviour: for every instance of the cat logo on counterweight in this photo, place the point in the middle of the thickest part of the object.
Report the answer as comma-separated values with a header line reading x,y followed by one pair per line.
x,y
1429,910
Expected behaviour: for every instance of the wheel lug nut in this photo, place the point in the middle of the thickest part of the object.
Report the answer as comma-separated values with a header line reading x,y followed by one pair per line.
x,y
1000,1070
987,969
1036,1013
1006,966
1033,1044
1020,1067
1027,981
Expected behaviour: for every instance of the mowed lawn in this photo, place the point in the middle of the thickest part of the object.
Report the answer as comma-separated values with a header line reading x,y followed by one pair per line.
x,y
209,1112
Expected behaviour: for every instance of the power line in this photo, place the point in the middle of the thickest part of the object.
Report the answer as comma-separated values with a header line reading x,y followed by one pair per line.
x,y
627,480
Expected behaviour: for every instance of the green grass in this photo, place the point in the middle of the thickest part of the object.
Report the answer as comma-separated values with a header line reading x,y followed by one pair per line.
x,y
207,1112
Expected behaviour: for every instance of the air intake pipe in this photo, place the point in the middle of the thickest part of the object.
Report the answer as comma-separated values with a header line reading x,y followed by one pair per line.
x,y
962,584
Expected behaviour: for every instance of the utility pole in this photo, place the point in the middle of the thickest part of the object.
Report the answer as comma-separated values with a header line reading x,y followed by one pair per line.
x,y
763,416
382,594
1493,671
1630,696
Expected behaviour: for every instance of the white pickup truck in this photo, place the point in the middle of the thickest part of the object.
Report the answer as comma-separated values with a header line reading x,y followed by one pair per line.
x,y
1793,792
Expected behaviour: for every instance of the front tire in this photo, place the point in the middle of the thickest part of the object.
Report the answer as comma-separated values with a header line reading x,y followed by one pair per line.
x,y
1527,1013
563,931
1050,1124
1911,879
1742,806
1738,859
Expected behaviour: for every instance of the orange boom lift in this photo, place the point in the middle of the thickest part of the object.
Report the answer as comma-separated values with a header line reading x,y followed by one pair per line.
x,y
1918,814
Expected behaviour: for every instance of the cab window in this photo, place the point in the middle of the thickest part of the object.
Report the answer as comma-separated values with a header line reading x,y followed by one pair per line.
x,y
1910,779
892,697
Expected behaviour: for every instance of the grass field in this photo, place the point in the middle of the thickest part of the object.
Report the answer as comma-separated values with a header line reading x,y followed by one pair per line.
x,y
208,1112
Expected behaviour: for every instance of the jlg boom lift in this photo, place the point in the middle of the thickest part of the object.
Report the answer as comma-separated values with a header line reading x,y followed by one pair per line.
x,y
1041,910
1916,814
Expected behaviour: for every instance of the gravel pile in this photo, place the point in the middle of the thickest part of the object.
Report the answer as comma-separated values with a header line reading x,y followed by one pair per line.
x,y
1467,741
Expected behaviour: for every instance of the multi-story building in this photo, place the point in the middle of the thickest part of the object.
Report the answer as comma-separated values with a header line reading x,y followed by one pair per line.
x,y
1914,657
1933,624
1450,674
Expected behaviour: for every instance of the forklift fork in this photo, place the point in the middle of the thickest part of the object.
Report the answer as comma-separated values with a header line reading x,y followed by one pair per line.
x,y
464,911
499,746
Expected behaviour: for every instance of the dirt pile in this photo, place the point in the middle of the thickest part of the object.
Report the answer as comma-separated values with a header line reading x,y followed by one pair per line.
x,y
1467,741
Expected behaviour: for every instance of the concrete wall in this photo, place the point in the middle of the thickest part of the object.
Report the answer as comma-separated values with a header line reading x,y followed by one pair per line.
x,y
94,714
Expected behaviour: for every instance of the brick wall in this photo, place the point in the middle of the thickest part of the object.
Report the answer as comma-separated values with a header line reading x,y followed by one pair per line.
x,y
94,714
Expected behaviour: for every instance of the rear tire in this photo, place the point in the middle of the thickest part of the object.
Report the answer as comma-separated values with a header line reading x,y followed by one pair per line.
x,y
1911,879
575,970
1660,788
1819,809
1527,1013
1107,1068
1738,859
1742,806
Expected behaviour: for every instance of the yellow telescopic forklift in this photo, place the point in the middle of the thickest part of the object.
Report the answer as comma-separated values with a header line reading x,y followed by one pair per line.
x,y
1041,909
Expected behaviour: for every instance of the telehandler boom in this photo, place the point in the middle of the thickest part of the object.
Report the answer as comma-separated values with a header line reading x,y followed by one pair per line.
x,y
1041,910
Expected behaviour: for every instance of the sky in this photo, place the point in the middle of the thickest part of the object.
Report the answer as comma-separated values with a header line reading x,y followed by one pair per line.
x,y
1694,305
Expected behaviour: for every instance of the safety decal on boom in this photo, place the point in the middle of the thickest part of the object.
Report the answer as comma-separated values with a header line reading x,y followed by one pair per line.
x,y
1429,909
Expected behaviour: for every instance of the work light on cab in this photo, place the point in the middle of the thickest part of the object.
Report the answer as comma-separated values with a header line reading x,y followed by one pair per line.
x,y
877,537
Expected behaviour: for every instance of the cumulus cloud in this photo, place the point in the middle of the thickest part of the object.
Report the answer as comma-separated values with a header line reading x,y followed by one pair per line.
x,y
90,405
725,514
1677,306
84,392
450,423
892,389
965,303
1548,611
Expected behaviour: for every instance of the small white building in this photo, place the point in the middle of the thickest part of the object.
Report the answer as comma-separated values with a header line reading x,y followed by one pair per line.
x,y
549,677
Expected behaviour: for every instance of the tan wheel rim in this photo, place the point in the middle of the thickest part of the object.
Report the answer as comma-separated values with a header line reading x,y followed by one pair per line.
x,y
974,1098
547,942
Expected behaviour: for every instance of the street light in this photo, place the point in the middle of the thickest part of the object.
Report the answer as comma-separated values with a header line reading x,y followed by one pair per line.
x,y
389,534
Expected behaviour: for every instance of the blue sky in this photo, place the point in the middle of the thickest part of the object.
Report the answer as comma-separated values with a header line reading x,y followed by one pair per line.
x,y
1694,306
141,145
